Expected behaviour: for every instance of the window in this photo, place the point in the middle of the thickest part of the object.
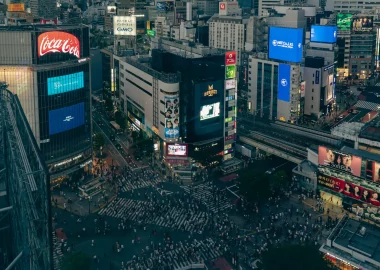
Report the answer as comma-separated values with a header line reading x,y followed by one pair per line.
x,y
312,98
312,106
312,90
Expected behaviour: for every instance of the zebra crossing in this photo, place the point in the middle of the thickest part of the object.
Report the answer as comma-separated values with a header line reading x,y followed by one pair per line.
x,y
170,217
178,258
204,194
130,183
57,253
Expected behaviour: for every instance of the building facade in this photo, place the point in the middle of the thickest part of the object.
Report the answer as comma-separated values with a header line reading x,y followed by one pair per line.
x,y
53,85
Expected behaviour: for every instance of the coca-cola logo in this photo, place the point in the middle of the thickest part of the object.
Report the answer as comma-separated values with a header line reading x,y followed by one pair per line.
x,y
58,42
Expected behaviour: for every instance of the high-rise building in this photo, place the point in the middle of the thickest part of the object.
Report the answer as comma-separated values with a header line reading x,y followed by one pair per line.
x,y
45,9
47,66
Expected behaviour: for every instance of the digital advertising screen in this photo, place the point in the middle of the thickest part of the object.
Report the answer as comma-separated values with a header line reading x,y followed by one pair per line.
x,y
230,84
230,58
65,83
343,21
349,189
323,33
230,72
362,24
341,161
210,111
66,118
373,171
284,82
171,117
286,44
176,150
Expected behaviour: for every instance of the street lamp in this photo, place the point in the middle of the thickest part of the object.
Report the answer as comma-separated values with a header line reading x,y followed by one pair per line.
x,y
89,203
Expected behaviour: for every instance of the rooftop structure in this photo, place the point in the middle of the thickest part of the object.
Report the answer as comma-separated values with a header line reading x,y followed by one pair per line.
x,y
354,243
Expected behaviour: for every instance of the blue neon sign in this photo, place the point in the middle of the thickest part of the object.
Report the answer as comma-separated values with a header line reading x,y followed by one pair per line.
x,y
284,82
65,83
286,44
66,118
323,33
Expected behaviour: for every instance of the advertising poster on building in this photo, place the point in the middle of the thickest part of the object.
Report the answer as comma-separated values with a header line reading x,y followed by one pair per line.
x,y
284,82
341,161
362,24
343,21
349,189
58,42
317,76
230,72
230,58
323,33
16,7
124,25
230,84
373,171
171,117
302,89
286,44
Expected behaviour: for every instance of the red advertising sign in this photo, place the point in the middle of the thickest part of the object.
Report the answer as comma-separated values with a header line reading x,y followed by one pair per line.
x,y
58,42
349,189
45,21
222,6
230,58
345,162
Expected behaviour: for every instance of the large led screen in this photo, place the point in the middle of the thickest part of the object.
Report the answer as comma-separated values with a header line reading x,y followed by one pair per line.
x,y
66,83
286,44
210,111
343,21
323,33
284,82
177,150
349,189
66,118
171,117
341,161
362,24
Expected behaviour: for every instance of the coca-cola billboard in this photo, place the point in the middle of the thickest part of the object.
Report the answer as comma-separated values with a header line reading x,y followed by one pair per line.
x,y
58,42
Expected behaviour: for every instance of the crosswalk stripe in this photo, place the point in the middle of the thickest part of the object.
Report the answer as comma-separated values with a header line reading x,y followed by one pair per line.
x,y
203,194
177,217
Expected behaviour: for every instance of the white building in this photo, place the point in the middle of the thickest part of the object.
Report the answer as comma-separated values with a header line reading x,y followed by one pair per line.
x,y
142,90
351,6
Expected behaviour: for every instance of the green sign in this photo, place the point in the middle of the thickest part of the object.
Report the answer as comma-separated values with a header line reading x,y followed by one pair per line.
x,y
151,33
230,72
343,21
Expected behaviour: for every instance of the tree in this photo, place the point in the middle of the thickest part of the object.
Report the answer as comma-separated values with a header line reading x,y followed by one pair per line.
x,y
98,141
279,180
295,257
254,186
76,261
121,120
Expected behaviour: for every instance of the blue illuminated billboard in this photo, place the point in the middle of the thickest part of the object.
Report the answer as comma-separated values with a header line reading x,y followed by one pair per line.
x,y
323,33
66,118
285,44
284,82
65,83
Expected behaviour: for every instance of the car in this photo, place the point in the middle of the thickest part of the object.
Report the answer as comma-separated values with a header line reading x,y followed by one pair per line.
x,y
112,137
100,123
270,171
341,116
118,146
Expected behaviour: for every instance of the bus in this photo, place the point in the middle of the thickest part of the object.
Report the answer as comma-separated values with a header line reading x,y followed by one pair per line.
x,y
116,127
